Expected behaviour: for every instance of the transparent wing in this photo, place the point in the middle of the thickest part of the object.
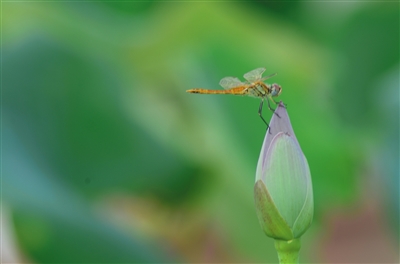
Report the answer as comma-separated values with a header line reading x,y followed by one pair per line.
x,y
267,77
254,75
230,82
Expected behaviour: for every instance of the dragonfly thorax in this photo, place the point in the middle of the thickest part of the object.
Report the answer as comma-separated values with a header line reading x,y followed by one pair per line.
x,y
259,89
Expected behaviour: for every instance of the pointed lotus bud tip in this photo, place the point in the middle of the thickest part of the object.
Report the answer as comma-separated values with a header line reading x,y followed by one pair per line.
x,y
283,189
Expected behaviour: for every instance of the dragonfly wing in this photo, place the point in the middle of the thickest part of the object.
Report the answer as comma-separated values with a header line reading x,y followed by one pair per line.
x,y
254,75
267,77
230,82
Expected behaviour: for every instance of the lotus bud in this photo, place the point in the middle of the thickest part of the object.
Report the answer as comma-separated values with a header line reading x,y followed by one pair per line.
x,y
283,189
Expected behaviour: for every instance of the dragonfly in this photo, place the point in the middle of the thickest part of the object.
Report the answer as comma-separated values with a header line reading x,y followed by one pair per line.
x,y
254,86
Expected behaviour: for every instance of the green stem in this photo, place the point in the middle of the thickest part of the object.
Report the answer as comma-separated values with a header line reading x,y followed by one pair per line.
x,y
288,251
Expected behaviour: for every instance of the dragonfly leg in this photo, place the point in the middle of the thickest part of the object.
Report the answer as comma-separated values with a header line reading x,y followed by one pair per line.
x,y
277,103
260,113
270,108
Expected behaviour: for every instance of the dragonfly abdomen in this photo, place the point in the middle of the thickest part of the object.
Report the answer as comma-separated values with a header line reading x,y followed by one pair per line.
x,y
236,91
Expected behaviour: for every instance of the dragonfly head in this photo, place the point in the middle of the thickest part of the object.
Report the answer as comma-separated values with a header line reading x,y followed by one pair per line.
x,y
276,89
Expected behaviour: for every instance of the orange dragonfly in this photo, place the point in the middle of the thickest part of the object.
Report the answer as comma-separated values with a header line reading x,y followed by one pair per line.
x,y
253,86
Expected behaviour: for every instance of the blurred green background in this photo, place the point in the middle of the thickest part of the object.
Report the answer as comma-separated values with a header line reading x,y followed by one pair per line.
x,y
106,158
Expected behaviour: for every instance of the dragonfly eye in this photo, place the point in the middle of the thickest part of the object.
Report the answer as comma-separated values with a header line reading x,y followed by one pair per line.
x,y
276,90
